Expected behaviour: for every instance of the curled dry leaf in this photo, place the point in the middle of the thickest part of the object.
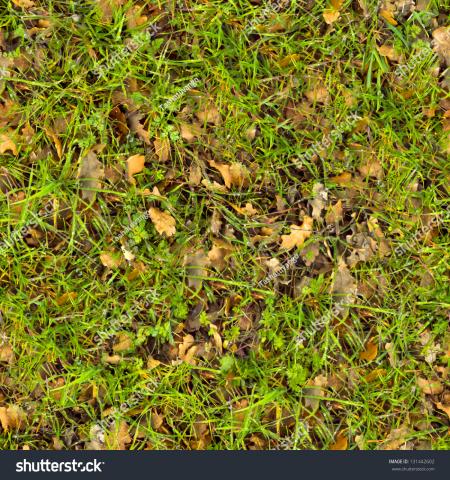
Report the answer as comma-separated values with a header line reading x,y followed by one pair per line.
x,y
196,264
187,349
441,43
335,213
235,174
135,164
134,119
90,173
330,16
56,141
444,408
430,387
298,235
163,221
7,144
248,210
318,203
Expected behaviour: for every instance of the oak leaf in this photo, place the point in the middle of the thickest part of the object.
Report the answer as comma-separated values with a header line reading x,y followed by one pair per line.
x,y
298,235
163,221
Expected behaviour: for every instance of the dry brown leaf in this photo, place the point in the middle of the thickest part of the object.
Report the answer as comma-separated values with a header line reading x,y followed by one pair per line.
x,y
56,141
123,342
196,264
209,114
372,168
441,43
6,143
111,259
430,387
12,417
343,179
195,174
162,149
152,363
318,94
190,132
187,349
135,164
444,408
335,213
341,443
107,8
396,438
248,210
344,285
298,235
134,17
319,201
370,352
163,221
119,437
6,352
134,119
389,52
90,173
218,254
235,174
375,375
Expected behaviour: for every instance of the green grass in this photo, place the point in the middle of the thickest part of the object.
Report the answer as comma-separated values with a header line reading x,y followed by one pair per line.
x,y
257,390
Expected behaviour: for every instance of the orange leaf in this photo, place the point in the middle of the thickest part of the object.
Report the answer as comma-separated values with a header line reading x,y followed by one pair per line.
x,y
341,443
387,15
370,353
135,165
298,235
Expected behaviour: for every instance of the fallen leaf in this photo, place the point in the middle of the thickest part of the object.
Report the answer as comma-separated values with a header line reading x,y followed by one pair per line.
x,y
65,297
248,210
372,168
55,139
135,164
389,52
370,352
217,255
12,418
162,149
396,438
341,443
444,408
430,387
90,173
319,201
196,264
163,221
187,349
195,175
119,437
335,213
375,375
330,16
388,16
6,143
190,132
111,259
235,174
318,94
209,114
298,235
134,119
441,43
6,352
24,3
123,342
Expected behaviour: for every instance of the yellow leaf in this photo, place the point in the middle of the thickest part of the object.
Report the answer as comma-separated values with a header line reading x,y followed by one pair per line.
x,y
23,3
388,16
135,164
337,4
65,297
298,235
444,408
370,353
163,221
123,343
330,16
